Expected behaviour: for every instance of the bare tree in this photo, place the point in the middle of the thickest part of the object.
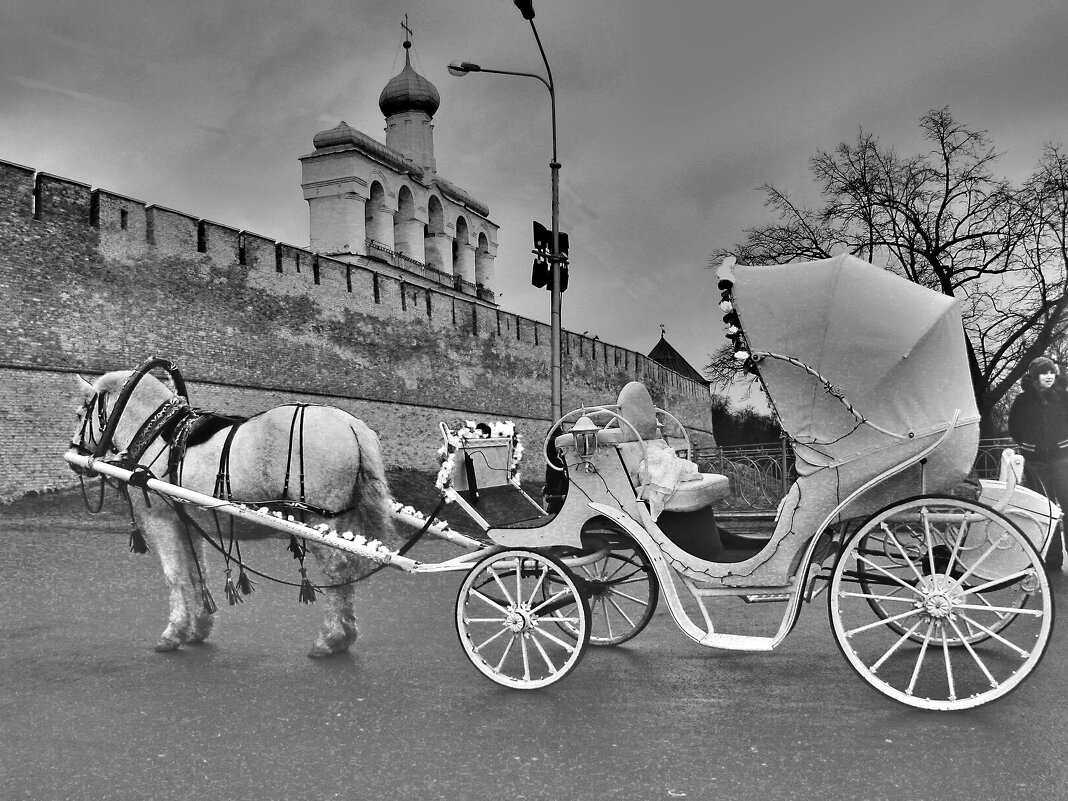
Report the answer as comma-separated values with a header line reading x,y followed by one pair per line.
x,y
945,221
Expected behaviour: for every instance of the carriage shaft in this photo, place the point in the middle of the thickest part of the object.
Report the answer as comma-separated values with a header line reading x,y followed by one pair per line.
x,y
323,534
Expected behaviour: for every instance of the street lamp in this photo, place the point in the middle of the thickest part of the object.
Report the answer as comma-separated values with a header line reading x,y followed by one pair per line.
x,y
461,68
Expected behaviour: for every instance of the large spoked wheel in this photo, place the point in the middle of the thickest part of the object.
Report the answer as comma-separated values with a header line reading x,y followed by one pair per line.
x,y
622,591
511,629
922,599
904,546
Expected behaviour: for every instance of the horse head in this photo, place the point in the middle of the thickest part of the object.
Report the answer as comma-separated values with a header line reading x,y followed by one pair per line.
x,y
116,406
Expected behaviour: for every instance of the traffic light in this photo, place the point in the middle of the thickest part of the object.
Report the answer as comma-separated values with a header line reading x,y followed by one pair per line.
x,y
541,275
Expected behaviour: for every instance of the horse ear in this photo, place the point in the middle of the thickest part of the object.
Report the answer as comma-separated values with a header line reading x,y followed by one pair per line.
x,y
85,388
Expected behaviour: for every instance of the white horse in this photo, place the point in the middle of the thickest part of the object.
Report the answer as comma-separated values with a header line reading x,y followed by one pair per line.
x,y
320,455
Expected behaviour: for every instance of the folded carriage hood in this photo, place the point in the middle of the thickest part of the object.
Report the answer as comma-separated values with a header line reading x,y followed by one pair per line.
x,y
893,349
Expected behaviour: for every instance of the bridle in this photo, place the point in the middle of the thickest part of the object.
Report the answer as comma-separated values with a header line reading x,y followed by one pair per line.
x,y
95,408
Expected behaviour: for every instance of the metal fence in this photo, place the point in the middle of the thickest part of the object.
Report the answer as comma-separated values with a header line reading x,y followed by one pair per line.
x,y
761,475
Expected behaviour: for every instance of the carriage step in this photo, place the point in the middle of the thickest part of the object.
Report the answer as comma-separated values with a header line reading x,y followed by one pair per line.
x,y
778,597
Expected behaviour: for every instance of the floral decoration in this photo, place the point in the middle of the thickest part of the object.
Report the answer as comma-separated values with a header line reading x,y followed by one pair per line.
x,y
462,431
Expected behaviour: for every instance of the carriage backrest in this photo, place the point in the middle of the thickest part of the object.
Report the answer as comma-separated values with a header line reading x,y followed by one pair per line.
x,y
636,407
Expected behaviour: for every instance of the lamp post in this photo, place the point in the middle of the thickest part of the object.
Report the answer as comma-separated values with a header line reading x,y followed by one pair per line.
x,y
461,68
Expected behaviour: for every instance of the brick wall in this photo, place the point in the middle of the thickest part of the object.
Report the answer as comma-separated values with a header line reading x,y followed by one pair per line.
x,y
94,281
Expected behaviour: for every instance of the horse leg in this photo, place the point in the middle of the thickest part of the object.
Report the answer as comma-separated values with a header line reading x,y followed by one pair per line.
x,y
166,535
339,624
201,616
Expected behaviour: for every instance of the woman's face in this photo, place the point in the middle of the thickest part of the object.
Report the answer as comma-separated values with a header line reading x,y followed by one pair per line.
x,y
1045,380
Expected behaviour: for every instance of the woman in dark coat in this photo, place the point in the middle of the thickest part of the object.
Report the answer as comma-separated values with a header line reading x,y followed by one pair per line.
x,y
1038,422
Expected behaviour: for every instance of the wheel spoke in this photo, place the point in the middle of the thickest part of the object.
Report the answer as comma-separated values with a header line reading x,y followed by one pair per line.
x,y
925,517
920,658
607,618
1019,574
1011,610
874,668
569,647
491,639
993,547
968,646
537,585
507,595
619,609
874,597
888,574
996,636
613,591
958,543
489,601
883,621
548,662
904,555
949,667
551,599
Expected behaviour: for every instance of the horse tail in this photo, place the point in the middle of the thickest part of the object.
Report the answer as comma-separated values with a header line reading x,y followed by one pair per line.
x,y
372,499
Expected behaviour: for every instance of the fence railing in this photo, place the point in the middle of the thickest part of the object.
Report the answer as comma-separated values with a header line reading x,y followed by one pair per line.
x,y
761,475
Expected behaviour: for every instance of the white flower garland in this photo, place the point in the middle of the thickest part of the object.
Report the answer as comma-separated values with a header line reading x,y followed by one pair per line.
x,y
469,430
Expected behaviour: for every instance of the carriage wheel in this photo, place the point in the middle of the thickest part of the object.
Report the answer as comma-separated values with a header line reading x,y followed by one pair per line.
x,y
887,542
922,597
622,591
510,629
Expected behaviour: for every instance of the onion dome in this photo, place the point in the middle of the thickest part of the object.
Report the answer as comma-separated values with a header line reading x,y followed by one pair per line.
x,y
408,91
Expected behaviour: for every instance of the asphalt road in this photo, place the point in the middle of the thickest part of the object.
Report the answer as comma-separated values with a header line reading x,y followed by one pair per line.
x,y
89,711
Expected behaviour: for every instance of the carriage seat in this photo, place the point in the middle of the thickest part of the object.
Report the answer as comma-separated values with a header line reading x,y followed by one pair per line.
x,y
695,490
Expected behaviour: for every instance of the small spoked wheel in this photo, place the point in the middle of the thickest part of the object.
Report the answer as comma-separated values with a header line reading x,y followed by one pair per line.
x,y
511,629
622,591
941,603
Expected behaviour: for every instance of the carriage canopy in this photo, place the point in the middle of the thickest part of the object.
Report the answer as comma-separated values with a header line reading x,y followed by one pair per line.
x,y
895,351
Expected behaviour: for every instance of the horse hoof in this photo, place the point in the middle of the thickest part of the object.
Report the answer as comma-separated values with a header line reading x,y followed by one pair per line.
x,y
319,651
166,644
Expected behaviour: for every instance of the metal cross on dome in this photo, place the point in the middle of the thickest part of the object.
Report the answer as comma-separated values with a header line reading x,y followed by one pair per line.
x,y
407,30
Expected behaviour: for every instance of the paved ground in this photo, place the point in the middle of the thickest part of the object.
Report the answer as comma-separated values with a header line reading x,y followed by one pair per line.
x,y
89,711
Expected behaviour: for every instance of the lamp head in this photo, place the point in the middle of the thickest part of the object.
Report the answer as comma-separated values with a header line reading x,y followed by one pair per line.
x,y
585,434
461,68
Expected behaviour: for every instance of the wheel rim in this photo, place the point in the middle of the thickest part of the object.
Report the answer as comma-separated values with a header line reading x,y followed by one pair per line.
x,y
622,593
941,603
510,628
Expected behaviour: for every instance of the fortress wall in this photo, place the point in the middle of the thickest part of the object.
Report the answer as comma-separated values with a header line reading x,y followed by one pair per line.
x,y
97,281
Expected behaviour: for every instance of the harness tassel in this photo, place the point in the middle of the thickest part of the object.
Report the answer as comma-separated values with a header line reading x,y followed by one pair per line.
x,y
209,602
232,595
296,548
137,539
244,583
307,589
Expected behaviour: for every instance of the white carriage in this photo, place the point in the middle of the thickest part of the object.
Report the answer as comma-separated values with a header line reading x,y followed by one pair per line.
x,y
935,585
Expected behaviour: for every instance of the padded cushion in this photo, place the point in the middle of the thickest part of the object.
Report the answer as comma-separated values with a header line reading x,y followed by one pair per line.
x,y
692,495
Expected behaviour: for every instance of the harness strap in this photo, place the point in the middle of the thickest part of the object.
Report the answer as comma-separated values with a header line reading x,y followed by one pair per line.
x,y
127,391
161,423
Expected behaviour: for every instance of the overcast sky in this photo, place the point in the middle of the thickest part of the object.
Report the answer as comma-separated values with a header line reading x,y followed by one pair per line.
x,y
670,113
